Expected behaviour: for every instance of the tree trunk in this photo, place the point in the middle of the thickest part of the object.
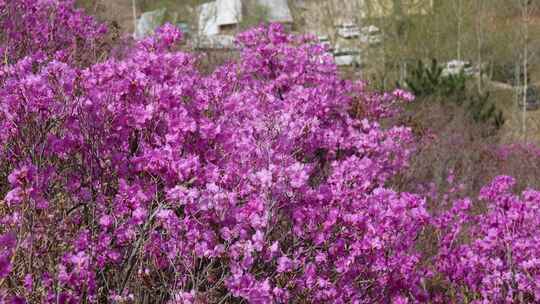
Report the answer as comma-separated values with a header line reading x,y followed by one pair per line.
x,y
459,16
525,16
480,38
525,85
134,10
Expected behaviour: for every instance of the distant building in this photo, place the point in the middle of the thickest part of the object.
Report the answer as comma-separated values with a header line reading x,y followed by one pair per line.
x,y
217,20
228,15
222,17
208,25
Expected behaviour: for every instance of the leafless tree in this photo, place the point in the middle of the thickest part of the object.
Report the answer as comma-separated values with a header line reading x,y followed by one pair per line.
x,y
526,9
481,7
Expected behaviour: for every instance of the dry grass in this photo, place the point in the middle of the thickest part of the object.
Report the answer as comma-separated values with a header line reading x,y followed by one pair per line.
x,y
512,130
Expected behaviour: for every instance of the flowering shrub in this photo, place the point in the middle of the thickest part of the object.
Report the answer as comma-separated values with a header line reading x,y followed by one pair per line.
x,y
497,260
141,179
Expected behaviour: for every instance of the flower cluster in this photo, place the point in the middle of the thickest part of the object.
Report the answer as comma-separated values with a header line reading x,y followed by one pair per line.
x,y
48,28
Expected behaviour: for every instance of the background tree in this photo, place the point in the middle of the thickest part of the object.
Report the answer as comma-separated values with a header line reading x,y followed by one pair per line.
x,y
526,10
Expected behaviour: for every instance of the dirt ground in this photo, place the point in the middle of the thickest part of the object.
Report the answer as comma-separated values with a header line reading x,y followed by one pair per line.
x,y
512,130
